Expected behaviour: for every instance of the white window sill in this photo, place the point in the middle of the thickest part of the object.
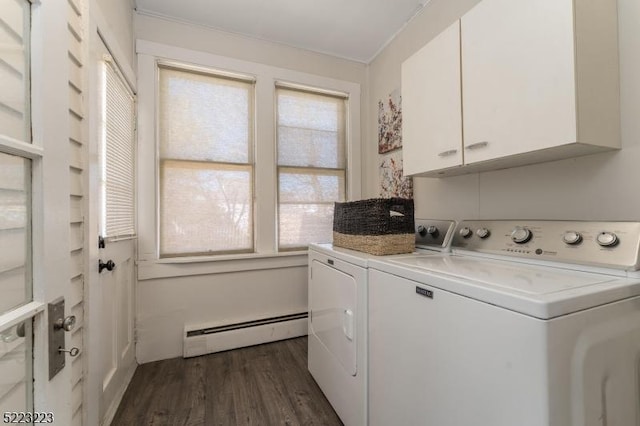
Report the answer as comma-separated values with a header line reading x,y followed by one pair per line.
x,y
205,265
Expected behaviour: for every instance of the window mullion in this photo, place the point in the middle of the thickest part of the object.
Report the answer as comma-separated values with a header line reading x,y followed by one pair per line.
x,y
16,316
15,147
266,172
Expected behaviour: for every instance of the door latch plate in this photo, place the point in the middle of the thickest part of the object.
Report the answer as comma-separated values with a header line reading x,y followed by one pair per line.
x,y
56,338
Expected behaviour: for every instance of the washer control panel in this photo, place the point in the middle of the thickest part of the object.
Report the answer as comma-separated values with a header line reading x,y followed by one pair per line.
x,y
608,244
434,234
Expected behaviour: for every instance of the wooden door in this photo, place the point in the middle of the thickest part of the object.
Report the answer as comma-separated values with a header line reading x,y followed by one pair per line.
x,y
34,211
112,294
116,322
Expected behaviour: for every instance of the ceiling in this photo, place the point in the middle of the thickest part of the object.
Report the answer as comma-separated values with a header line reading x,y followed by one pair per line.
x,y
351,29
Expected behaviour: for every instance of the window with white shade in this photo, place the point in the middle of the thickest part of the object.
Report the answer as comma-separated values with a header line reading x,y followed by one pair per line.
x,y
311,139
206,172
118,154
247,163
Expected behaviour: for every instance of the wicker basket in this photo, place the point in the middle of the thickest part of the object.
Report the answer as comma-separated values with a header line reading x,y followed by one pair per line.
x,y
378,226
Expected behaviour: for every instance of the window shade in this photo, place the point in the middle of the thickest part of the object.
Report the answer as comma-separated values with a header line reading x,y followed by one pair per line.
x,y
205,117
118,156
311,129
311,139
206,163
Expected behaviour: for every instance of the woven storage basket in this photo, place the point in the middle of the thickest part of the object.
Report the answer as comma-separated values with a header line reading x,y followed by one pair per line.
x,y
378,226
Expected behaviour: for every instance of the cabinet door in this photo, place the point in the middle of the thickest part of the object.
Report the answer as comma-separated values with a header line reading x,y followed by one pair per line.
x,y
431,122
517,77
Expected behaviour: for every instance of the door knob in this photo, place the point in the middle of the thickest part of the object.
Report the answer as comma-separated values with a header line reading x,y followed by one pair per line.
x,y
109,266
66,324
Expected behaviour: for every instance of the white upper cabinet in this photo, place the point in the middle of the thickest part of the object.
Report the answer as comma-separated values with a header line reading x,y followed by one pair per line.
x,y
539,82
431,99
518,77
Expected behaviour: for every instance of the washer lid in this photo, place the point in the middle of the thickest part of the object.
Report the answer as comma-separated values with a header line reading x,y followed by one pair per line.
x,y
520,277
539,291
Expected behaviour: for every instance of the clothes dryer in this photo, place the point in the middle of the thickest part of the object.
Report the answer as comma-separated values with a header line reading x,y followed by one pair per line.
x,y
338,287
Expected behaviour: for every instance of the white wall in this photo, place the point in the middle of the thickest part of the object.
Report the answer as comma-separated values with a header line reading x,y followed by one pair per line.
x,y
596,187
166,305
119,16
248,49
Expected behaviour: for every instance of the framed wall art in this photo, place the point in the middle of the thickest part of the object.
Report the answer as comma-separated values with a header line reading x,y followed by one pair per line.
x,y
393,183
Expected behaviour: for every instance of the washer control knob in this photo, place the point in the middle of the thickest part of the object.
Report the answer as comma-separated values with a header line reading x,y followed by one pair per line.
x,y
432,230
421,230
572,238
521,235
607,239
465,232
483,233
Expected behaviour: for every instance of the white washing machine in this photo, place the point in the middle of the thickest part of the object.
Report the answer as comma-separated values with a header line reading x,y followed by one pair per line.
x,y
338,317
532,323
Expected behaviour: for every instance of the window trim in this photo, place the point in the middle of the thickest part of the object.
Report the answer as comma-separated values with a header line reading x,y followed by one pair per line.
x,y
150,53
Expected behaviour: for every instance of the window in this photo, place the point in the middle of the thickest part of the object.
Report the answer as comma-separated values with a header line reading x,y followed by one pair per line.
x,y
118,154
311,138
240,163
18,160
206,162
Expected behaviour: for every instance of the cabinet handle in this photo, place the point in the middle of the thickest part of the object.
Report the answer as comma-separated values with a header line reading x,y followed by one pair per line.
x,y
447,153
477,145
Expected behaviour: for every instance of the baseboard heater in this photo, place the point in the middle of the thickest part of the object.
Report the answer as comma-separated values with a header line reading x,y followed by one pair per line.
x,y
201,340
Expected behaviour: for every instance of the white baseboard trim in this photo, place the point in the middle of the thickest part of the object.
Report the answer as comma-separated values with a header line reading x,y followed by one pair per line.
x,y
110,413
202,340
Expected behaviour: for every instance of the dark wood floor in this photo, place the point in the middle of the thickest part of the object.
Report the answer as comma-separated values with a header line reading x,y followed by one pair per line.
x,y
260,385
